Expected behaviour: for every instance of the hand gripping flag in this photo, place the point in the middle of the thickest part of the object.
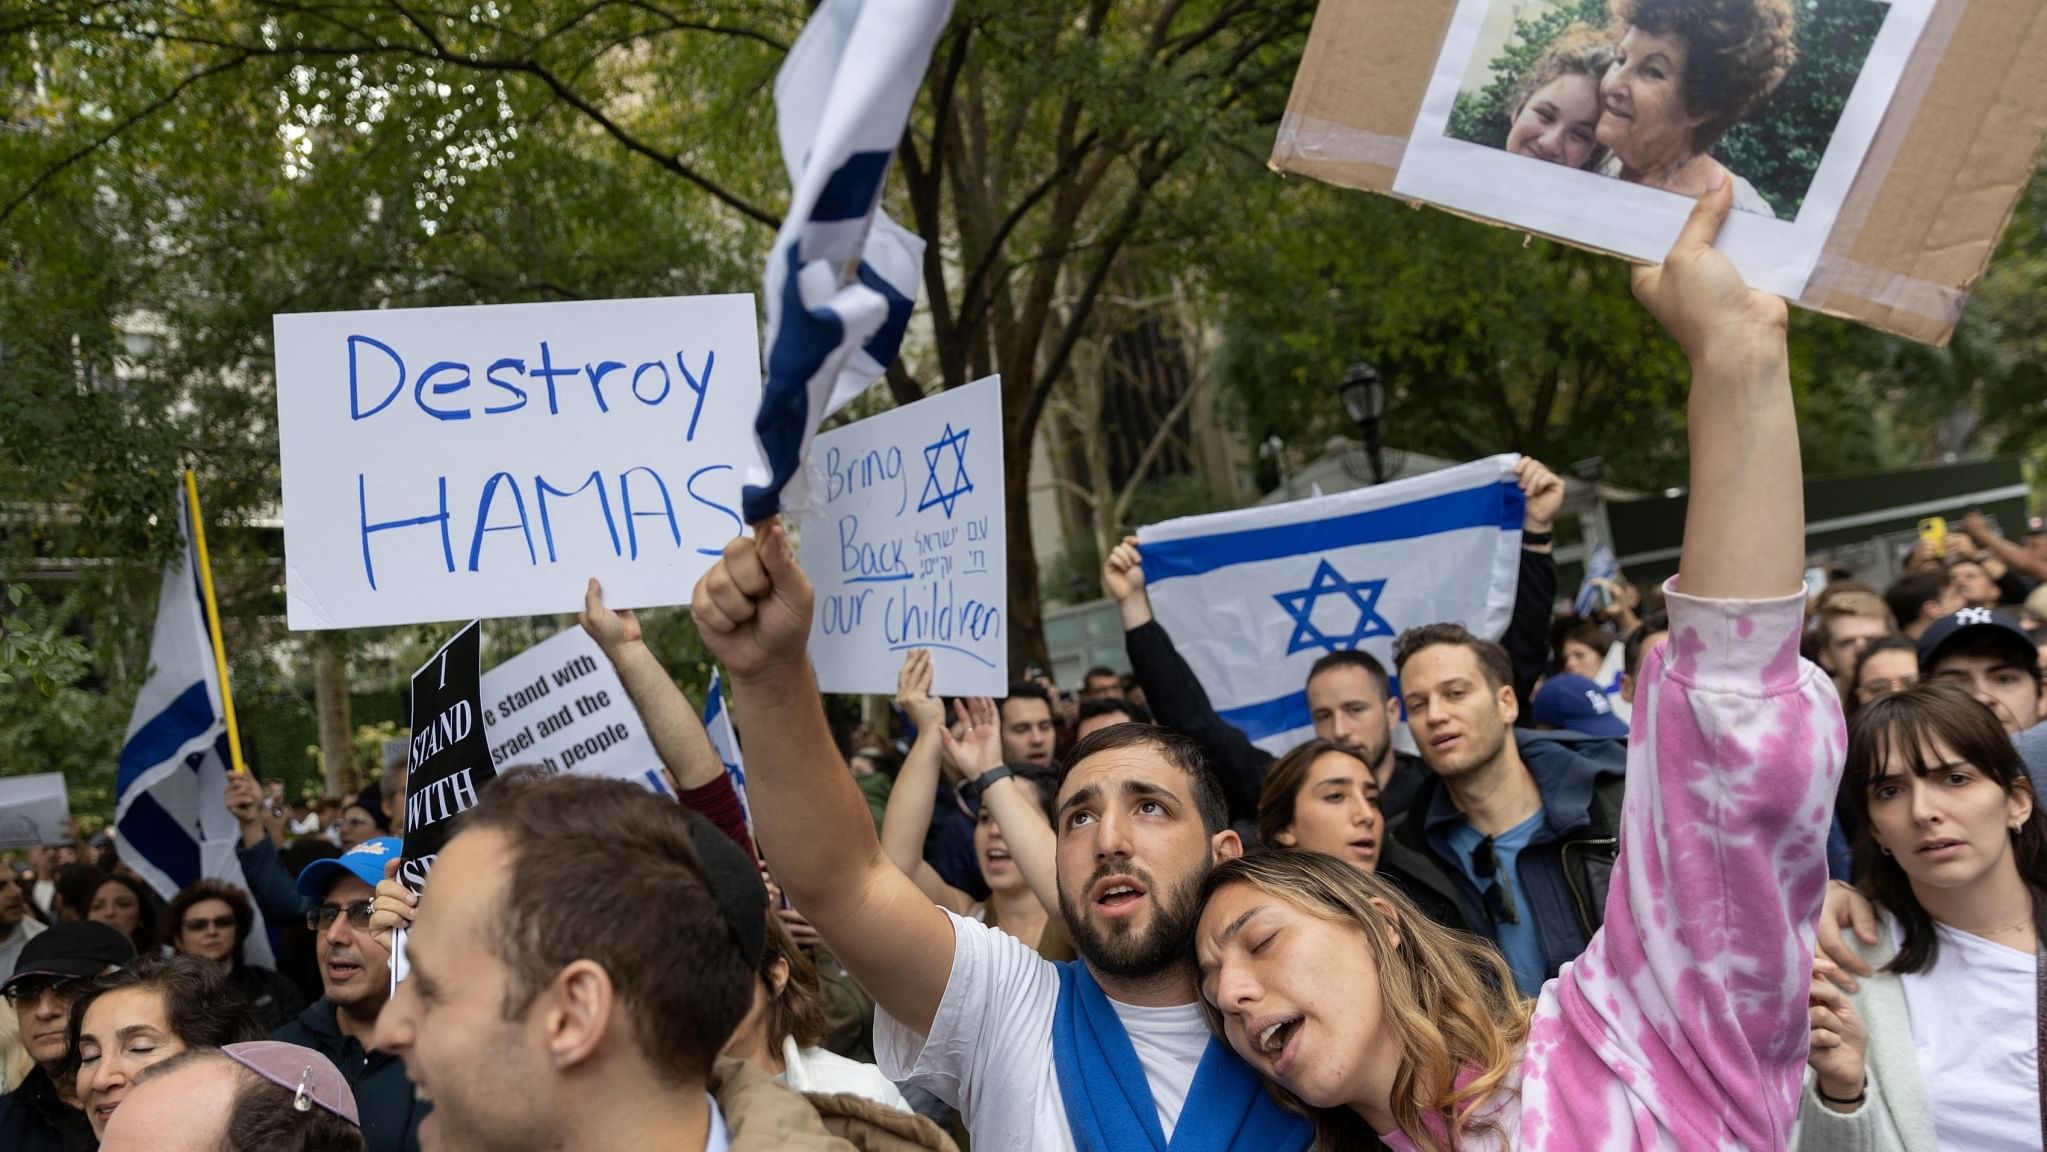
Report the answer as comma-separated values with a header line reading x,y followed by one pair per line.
x,y
170,814
1254,597
842,279
725,742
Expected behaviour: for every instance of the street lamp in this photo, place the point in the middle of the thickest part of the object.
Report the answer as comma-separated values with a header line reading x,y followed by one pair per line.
x,y
1364,398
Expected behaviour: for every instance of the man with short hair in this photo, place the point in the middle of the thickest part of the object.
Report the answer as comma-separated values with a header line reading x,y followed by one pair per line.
x,y
1515,830
1918,598
252,1097
1349,695
1971,582
355,974
1100,683
1106,712
1037,1055
43,1114
1991,657
1030,728
17,927
1849,620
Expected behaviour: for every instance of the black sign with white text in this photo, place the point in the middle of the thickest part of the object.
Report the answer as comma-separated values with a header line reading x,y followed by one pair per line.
x,y
449,762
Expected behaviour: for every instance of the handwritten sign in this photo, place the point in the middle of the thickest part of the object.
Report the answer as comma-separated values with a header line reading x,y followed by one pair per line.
x,y
449,762
907,549
33,810
448,463
559,707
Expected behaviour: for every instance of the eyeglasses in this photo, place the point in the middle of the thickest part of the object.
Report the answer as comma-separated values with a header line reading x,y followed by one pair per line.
x,y
32,989
358,915
358,821
1499,901
1872,689
201,923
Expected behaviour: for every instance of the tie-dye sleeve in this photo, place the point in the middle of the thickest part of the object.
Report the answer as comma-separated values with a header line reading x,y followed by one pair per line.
x,y
1683,1025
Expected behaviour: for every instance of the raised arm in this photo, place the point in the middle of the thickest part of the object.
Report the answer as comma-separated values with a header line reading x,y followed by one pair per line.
x,y
2015,559
1172,691
1025,829
1687,1012
908,815
1535,593
753,610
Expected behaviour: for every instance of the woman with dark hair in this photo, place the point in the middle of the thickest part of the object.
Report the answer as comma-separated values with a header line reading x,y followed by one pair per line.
x,y
212,921
1940,1046
76,884
1582,650
1685,72
133,1017
1553,112
783,1032
1322,797
128,905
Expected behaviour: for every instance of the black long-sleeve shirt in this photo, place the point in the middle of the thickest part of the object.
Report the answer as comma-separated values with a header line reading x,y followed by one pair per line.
x,y
1177,699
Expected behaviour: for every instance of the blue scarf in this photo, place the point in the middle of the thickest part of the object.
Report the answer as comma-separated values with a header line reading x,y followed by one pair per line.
x,y
1108,1101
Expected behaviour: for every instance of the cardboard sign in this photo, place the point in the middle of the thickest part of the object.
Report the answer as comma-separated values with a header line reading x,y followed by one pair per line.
x,y
559,706
448,463
908,549
1878,150
33,810
450,761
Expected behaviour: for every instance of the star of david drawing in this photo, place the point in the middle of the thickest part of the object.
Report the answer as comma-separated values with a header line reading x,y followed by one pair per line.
x,y
939,494
1300,606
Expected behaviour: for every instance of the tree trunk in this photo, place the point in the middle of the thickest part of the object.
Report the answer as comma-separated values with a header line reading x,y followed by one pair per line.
x,y
330,701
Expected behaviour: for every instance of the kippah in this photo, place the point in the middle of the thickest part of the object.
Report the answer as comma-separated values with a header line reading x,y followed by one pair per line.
x,y
735,883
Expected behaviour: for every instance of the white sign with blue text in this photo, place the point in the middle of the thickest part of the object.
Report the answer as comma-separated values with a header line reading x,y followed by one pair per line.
x,y
452,463
907,547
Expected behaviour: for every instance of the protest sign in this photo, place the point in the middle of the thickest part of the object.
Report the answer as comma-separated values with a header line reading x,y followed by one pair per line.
x,y
907,548
1253,598
1876,147
33,810
450,761
446,463
559,707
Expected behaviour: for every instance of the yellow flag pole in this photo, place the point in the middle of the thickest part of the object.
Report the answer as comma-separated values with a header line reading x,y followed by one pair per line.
x,y
227,696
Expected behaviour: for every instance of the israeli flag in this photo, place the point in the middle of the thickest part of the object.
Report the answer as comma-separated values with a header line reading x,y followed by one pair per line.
x,y
725,742
1599,565
1254,597
170,814
842,279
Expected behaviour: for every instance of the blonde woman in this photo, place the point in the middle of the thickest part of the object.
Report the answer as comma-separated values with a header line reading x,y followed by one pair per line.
x,y
1683,1025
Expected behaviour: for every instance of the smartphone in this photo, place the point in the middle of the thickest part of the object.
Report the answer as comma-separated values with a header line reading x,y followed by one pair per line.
x,y
1933,533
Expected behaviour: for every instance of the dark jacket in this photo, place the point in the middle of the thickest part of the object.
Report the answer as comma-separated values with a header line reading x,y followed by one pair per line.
x,y
1178,701
270,884
1566,865
383,1096
33,1118
276,998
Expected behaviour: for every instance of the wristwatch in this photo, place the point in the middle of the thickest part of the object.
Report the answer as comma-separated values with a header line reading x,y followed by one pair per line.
x,y
973,788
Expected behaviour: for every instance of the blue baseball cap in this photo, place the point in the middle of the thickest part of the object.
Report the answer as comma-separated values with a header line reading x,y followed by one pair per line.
x,y
365,862
1577,704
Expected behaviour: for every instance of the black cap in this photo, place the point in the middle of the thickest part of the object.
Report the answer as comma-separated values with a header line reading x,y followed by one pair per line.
x,y
1974,622
75,950
735,883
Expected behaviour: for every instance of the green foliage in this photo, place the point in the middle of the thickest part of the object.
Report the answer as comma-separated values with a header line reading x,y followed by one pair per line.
x,y
53,718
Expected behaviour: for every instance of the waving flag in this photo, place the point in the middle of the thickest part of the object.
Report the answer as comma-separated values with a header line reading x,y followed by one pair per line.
x,y
170,815
725,742
842,279
1254,597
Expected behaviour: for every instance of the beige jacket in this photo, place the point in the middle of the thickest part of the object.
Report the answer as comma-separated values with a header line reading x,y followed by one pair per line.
x,y
762,1115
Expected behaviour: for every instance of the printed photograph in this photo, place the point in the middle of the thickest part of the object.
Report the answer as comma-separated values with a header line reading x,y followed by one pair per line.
x,y
1668,94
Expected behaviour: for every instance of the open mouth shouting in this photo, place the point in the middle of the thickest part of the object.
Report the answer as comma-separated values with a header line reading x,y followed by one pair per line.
x,y
1117,896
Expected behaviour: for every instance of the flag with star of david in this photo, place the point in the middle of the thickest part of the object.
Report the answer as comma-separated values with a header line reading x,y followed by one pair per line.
x,y
1254,597
842,279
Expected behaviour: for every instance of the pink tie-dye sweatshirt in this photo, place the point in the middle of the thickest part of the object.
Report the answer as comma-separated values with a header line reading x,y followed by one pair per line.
x,y
1684,1025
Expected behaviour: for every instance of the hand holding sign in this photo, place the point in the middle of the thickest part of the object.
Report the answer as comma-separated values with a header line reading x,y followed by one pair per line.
x,y
393,909
753,607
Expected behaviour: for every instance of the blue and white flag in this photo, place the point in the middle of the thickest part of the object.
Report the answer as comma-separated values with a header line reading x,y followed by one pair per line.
x,y
842,279
725,742
1599,565
1254,597
170,814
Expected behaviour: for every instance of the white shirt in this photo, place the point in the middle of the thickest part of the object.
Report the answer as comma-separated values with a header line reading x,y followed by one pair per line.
x,y
720,1140
989,1053
817,1070
1975,1030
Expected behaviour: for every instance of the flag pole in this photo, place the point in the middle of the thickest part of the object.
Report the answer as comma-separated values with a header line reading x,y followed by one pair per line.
x,y
227,696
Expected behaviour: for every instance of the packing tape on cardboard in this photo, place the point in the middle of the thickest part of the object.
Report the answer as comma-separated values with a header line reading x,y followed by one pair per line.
x,y
1327,142
1835,271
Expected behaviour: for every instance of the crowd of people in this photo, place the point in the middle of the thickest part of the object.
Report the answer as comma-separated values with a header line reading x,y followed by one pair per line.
x,y
1736,862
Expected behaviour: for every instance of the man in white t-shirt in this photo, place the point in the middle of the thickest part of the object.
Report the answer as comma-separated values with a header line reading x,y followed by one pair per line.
x,y
1035,1055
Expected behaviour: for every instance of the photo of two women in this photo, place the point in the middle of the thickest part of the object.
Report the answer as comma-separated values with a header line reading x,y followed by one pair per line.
x,y
1670,94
